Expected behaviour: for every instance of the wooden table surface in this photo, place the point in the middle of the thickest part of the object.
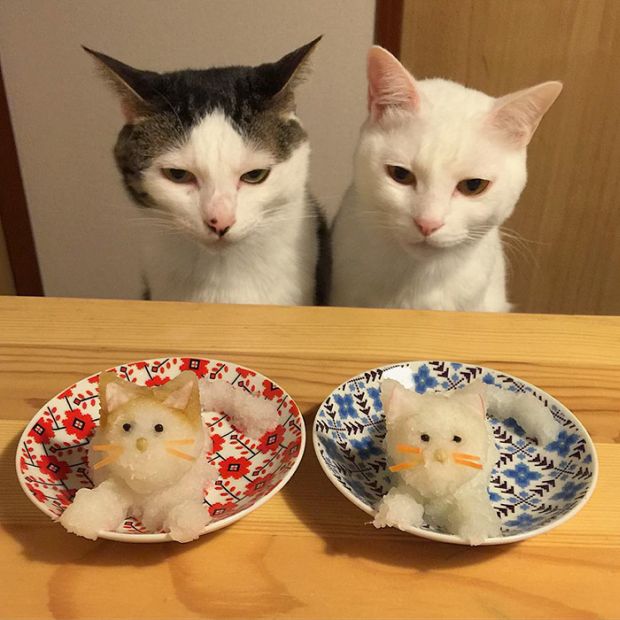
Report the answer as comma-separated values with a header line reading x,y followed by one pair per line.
x,y
308,553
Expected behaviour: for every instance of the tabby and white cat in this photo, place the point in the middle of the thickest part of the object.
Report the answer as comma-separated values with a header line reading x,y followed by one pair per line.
x,y
438,168
218,161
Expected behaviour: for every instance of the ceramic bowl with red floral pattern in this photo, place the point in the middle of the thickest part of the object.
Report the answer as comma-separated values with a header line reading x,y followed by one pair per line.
x,y
52,464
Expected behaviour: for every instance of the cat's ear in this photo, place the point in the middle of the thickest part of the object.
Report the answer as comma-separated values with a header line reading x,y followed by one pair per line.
x,y
281,77
182,393
516,116
392,396
114,392
390,85
133,86
473,396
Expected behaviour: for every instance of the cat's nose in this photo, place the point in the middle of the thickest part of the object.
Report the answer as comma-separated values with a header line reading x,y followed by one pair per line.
x,y
220,225
141,444
427,226
441,456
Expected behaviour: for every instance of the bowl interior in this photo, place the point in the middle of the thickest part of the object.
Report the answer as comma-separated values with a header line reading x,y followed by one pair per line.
x,y
52,453
533,487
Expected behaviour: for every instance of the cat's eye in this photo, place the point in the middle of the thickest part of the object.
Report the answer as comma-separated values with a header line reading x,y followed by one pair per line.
x,y
425,437
159,428
126,427
177,175
472,187
401,175
457,439
256,176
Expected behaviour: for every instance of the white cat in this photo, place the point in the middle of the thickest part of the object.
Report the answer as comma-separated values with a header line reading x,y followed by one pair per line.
x,y
438,168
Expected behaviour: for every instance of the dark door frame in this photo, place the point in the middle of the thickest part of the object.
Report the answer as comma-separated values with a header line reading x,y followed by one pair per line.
x,y
388,25
14,210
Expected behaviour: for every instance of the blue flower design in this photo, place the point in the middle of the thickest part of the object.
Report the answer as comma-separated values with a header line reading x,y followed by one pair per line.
x,y
494,497
456,365
365,447
488,379
563,443
345,405
423,380
523,520
522,475
569,491
375,394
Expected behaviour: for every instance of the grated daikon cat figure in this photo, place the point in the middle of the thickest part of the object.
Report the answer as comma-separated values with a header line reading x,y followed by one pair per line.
x,y
441,451
148,459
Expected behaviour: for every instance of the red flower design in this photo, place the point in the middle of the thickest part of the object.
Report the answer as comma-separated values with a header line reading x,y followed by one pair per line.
x,y
78,423
200,367
245,372
68,392
22,464
270,441
271,391
292,450
157,380
38,494
42,431
52,467
234,467
64,498
220,509
218,442
258,484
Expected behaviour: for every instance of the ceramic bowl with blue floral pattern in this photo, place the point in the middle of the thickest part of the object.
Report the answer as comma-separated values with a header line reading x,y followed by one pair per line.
x,y
533,487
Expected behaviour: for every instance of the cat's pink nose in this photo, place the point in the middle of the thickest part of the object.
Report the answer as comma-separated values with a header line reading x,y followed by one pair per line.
x,y
221,225
427,226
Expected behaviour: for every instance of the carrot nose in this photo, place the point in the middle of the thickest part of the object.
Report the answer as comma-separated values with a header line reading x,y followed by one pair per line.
x,y
441,456
141,444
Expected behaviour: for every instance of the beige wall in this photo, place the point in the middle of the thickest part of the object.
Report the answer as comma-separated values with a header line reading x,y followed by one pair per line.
x,y
66,120
7,286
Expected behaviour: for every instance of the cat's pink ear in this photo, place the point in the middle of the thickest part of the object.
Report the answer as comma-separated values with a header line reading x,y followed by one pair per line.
x,y
179,399
116,395
516,116
390,85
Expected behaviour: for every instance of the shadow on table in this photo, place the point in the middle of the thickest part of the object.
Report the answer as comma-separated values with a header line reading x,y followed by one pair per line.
x,y
347,530
43,540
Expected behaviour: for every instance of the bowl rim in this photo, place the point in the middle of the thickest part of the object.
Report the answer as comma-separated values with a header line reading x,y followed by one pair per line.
x,y
452,538
165,536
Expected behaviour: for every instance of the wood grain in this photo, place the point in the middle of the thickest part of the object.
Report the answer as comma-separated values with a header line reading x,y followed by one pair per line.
x,y
308,553
569,258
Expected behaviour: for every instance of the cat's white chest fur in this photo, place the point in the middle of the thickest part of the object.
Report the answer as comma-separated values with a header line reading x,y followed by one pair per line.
x,y
384,274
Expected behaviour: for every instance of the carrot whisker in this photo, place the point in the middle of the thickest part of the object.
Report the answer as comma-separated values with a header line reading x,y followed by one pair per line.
x,y
463,455
106,461
403,447
106,447
468,463
181,455
180,442
406,465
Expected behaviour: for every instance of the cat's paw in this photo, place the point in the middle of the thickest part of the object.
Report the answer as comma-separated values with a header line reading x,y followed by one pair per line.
x,y
398,509
186,521
92,512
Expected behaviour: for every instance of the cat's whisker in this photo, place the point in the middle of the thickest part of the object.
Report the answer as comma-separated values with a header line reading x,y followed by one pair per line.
x,y
468,464
179,442
405,465
181,455
463,455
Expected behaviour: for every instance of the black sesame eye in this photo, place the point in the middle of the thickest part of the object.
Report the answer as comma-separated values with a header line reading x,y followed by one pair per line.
x,y
159,428
126,427
457,439
425,437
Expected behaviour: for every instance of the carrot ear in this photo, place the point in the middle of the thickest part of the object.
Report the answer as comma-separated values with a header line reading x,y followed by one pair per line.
x,y
182,394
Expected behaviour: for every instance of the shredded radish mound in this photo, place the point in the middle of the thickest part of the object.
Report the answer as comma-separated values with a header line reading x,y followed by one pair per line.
x,y
526,409
252,414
